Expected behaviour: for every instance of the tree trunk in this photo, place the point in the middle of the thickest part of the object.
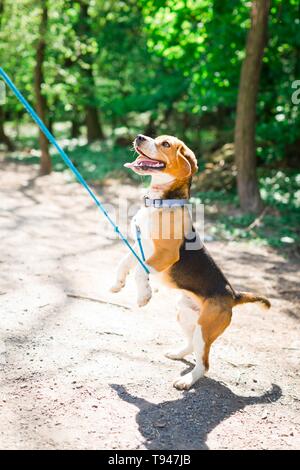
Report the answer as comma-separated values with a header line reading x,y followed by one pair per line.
x,y
75,128
3,137
41,104
93,127
50,123
92,118
245,147
151,127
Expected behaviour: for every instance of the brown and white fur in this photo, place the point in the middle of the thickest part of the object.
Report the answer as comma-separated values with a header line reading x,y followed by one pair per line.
x,y
205,309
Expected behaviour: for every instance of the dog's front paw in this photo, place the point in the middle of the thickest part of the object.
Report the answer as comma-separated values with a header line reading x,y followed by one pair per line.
x,y
144,296
184,383
117,286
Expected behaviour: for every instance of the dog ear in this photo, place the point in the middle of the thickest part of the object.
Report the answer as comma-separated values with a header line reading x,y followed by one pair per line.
x,y
186,154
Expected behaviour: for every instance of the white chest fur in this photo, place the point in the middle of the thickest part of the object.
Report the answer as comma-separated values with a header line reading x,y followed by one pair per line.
x,y
142,219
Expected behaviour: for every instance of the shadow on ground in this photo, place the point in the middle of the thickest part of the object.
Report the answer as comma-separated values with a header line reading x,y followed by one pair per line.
x,y
186,422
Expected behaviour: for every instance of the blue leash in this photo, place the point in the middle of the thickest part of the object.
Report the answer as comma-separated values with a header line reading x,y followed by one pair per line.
x,y
138,237
68,162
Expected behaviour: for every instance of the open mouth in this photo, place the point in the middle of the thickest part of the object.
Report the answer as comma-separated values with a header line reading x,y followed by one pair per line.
x,y
143,162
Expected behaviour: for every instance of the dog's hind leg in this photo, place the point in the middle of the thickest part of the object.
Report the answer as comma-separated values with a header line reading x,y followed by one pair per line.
x,y
187,316
185,382
126,264
214,318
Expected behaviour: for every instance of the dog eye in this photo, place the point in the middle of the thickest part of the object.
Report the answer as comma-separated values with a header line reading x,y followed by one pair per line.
x,y
166,144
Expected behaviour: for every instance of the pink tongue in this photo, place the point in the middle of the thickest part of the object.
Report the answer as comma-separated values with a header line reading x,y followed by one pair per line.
x,y
135,163
140,163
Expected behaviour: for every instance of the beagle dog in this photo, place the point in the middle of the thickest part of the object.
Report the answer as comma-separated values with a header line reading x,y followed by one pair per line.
x,y
174,251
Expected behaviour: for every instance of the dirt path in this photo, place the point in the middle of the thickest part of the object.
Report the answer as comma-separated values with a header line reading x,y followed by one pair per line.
x,y
87,375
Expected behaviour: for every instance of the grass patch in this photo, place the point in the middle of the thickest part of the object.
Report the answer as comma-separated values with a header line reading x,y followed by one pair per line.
x,y
279,227
95,162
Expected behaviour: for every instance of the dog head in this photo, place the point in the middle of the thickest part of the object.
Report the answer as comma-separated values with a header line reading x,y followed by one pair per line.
x,y
165,154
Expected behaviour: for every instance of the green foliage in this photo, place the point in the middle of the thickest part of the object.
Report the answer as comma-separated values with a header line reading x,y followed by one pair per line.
x,y
279,119
203,40
279,227
95,162
165,66
177,62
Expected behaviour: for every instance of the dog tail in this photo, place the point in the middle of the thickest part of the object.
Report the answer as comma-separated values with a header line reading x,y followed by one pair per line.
x,y
248,297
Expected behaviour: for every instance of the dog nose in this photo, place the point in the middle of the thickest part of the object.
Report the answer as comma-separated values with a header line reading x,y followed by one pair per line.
x,y
140,138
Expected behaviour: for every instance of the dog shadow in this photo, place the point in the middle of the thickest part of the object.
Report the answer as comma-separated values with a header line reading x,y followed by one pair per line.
x,y
184,424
